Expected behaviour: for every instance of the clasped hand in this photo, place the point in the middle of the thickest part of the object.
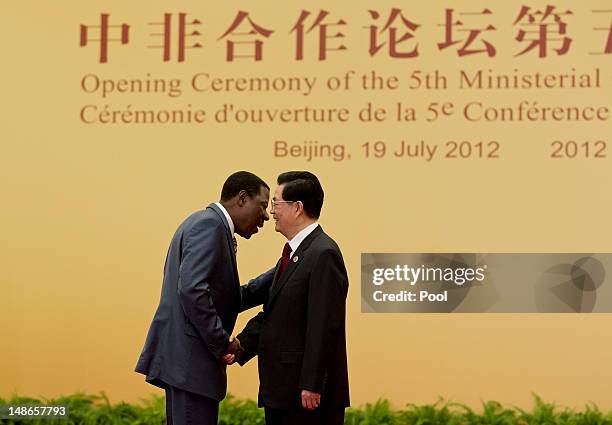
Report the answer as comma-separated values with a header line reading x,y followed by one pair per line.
x,y
233,352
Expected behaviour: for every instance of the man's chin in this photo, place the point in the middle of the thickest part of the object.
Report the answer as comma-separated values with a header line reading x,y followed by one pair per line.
x,y
251,233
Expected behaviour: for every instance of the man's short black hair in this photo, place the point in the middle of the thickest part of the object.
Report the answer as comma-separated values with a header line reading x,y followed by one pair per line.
x,y
242,180
305,187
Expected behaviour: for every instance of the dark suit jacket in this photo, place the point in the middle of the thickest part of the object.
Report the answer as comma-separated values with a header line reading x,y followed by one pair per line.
x,y
299,336
201,297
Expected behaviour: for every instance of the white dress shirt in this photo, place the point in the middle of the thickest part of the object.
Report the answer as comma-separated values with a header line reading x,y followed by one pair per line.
x,y
227,216
299,238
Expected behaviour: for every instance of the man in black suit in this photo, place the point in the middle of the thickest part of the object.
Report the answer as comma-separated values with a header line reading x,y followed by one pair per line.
x,y
299,336
201,297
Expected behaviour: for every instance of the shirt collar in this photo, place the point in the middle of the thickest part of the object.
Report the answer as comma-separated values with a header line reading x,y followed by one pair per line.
x,y
299,238
227,216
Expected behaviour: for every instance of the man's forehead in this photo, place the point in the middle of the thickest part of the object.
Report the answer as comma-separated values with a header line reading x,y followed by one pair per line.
x,y
278,194
264,192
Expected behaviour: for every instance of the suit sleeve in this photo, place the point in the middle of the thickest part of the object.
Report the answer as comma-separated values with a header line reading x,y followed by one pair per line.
x,y
325,318
249,338
256,291
201,256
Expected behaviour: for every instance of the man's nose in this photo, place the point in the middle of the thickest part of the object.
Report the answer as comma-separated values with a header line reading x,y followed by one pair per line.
x,y
266,216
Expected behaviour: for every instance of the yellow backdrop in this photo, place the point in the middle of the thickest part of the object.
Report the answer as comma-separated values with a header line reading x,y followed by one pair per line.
x,y
88,209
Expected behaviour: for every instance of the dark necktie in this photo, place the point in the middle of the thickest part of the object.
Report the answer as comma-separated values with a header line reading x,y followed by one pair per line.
x,y
284,260
235,244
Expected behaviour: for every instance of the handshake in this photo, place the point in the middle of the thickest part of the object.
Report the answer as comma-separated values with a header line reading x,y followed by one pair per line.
x,y
234,351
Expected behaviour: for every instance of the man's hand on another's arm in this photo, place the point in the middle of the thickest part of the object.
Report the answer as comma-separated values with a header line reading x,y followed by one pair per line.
x,y
310,400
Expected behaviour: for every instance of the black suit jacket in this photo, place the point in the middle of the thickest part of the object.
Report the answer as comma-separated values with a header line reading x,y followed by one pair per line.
x,y
299,336
200,300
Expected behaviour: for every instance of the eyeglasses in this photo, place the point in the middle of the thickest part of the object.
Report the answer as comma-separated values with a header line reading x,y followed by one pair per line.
x,y
275,203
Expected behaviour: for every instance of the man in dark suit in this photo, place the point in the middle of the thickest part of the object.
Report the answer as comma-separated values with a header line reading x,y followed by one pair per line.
x,y
201,297
299,336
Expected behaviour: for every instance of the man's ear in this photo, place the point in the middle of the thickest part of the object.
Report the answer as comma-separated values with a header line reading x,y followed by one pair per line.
x,y
300,207
242,198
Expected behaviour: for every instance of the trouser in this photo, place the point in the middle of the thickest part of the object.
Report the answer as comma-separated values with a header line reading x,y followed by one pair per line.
x,y
186,408
304,417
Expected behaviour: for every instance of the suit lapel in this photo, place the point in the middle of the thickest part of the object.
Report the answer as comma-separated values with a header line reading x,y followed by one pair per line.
x,y
276,270
294,262
229,237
